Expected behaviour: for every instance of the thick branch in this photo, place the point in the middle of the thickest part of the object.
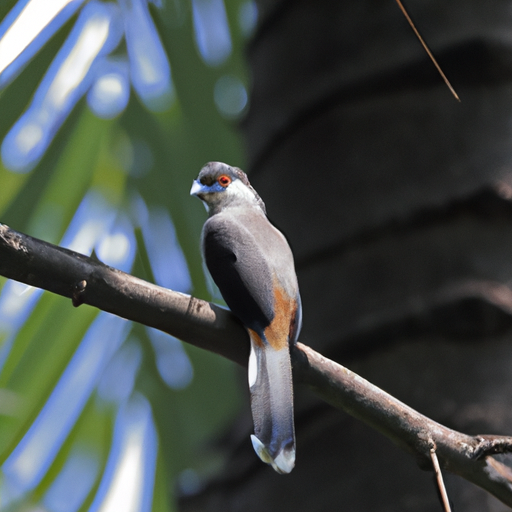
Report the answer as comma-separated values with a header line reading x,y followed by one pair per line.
x,y
87,281
207,326
466,456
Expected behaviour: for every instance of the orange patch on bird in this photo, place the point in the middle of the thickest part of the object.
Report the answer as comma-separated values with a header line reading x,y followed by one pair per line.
x,y
255,338
278,332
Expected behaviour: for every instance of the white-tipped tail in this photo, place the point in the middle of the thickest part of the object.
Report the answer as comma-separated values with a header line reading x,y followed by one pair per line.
x,y
284,461
270,382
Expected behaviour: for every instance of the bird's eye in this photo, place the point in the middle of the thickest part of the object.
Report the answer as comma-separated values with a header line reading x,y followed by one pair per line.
x,y
223,180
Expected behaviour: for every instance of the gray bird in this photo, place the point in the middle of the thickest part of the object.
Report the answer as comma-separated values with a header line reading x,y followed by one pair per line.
x,y
252,264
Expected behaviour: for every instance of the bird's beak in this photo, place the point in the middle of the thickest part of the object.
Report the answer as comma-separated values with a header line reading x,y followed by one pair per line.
x,y
197,188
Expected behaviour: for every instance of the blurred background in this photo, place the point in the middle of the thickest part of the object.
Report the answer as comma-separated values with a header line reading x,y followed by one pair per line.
x,y
108,111
395,199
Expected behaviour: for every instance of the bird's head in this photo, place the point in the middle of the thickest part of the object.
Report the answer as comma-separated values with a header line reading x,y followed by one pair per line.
x,y
221,186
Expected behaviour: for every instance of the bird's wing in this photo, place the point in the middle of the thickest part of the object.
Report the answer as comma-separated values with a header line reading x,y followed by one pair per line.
x,y
240,270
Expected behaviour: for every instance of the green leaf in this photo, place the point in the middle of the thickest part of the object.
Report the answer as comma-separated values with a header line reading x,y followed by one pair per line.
x,y
41,352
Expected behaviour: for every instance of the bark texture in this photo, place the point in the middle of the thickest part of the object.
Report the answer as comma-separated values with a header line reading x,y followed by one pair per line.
x,y
397,202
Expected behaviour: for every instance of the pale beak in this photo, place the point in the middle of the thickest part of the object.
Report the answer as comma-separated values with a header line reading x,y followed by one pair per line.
x,y
197,188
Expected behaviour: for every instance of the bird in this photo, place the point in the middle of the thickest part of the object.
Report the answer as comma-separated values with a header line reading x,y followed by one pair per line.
x,y
252,264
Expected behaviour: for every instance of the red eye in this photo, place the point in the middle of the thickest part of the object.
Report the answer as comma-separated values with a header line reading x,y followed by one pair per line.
x,y
223,180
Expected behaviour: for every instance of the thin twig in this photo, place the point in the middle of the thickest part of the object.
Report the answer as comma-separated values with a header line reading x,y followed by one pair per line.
x,y
439,478
427,49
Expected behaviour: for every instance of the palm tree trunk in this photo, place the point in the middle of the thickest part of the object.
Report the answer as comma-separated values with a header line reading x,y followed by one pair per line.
x,y
396,201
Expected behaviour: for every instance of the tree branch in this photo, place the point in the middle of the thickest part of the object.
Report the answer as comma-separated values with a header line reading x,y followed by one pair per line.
x,y
205,325
88,281
464,455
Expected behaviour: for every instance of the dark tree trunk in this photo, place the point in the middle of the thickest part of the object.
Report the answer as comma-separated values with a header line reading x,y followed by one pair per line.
x,y
396,200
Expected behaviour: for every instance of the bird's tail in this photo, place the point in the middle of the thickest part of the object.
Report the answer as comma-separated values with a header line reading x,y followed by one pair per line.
x,y
270,383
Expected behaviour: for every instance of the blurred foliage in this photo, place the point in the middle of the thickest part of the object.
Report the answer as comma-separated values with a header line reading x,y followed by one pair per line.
x,y
138,156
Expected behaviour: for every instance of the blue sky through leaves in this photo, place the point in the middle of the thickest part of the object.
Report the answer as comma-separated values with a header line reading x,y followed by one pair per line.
x,y
110,51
